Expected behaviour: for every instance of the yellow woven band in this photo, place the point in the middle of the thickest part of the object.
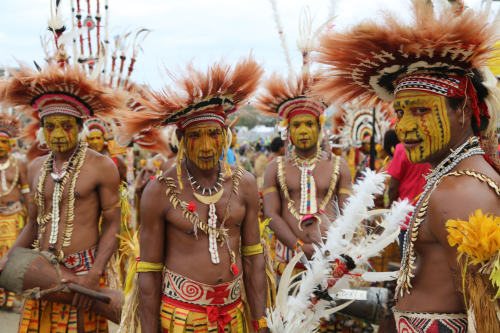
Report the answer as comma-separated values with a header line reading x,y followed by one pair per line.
x,y
269,190
25,186
345,191
144,266
251,250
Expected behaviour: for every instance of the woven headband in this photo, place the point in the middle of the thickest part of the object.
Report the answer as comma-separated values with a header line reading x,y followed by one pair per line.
x,y
207,117
449,86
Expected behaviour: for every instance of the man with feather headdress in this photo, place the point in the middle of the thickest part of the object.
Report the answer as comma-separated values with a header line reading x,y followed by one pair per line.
x,y
199,240
447,105
73,185
14,192
299,190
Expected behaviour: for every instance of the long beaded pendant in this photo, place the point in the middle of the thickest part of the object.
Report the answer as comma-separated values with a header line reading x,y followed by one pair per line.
x,y
54,230
308,203
212,234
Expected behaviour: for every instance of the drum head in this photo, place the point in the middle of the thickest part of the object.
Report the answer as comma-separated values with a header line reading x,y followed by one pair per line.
x,y
19,261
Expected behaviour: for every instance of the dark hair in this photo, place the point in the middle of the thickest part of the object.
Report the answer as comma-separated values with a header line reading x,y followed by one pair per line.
x,y
173,148
390,141
482,93
276,144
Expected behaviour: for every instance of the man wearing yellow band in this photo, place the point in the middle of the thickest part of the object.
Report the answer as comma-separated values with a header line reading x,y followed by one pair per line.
x,y
73,187
195,216
14,193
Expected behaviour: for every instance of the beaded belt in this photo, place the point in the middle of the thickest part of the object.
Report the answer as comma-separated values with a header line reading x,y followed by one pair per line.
x,y
183,289
80,262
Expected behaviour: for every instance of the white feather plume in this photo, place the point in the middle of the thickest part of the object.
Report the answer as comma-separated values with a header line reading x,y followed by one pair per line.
x,y
294,312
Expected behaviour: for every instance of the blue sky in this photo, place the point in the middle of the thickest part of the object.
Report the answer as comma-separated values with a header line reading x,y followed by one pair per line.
x,y
198,31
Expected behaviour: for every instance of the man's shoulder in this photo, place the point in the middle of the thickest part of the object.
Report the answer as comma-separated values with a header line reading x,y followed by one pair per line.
x,y
37,162
460,195
100,160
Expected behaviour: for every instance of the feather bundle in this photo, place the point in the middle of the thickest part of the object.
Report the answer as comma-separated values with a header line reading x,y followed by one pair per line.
x,y
364,61
222,87
302,310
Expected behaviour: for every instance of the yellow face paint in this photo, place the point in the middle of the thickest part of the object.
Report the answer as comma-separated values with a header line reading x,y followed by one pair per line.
x,y
204,144
4,146
422,124
96,140
304,129
61,132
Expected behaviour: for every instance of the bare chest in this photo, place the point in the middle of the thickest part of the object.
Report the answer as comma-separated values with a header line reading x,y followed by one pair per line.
x,y
190,213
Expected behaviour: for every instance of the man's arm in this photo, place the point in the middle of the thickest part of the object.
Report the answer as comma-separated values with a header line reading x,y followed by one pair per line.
x,y
344,187
272,207
450,201
30,230
152,242
23,181
109,199
393,190
254,267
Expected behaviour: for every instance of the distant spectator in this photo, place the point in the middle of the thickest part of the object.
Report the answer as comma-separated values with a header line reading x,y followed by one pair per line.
x,y
390,142
277,147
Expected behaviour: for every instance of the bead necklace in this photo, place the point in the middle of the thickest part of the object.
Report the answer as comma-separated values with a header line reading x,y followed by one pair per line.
x,y
305,186
3,170
194,183
215,234
210,200
70,167
469,148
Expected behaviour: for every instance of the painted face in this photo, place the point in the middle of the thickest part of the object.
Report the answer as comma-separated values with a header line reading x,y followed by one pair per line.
x,y
4,146
304,131
61,132
204,144
96,140
422,124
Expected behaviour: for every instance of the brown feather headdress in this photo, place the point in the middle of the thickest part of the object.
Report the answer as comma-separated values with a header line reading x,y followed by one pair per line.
x,y
9,125
197,95
66,90
367,60
287,97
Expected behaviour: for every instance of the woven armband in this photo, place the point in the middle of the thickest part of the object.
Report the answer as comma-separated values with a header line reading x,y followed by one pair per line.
x,y
251,250
144,266
269,189
345,191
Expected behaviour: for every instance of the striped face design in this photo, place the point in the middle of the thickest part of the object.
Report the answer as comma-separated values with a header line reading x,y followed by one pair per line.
x,y
422,124
204,144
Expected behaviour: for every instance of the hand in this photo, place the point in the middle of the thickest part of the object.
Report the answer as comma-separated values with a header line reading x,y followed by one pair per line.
x,y
308,250
264,330
90,281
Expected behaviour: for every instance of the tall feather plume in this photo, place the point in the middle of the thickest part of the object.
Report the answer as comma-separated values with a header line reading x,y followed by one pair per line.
x,y
281,34
354,58
191,87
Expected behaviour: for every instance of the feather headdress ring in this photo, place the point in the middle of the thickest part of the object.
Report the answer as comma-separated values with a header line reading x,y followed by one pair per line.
x,y
198,96
9,125
368,60
289,97
56,90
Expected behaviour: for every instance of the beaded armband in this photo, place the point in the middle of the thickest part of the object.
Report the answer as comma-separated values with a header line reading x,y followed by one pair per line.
x,y
251,250
25,189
